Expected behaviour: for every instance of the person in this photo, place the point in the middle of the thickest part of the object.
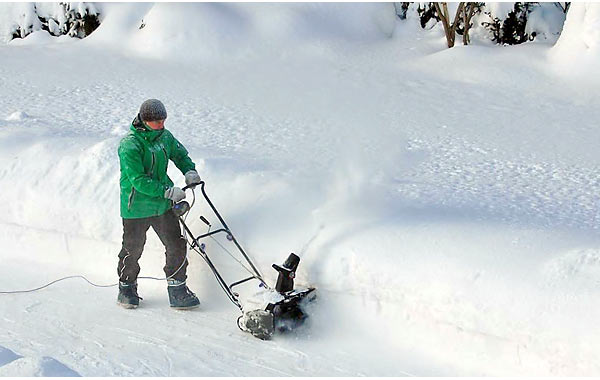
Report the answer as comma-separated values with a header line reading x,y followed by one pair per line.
x,y
147,197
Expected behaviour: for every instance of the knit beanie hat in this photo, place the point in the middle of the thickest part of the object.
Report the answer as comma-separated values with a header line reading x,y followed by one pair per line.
x,y
152,110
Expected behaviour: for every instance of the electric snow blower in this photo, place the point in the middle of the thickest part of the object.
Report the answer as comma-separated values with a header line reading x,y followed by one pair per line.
x,y
270,310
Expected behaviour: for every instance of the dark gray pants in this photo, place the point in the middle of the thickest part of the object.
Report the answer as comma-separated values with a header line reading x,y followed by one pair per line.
x,y
168,230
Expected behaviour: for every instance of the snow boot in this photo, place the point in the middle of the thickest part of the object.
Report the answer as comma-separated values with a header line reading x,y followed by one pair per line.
x,y
180,297
128,297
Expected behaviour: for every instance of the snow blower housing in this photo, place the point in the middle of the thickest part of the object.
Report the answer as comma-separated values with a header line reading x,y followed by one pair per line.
x,y
277,310
281,311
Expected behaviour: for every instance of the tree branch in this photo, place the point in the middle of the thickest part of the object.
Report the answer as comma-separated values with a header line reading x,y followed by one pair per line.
x,y
439,12
457,15
468,13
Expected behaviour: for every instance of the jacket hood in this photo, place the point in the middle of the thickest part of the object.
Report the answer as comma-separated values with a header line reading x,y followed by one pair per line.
x,y
139,128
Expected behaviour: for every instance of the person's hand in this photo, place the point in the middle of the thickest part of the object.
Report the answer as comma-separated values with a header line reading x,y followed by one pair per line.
x,y
175,194
192,178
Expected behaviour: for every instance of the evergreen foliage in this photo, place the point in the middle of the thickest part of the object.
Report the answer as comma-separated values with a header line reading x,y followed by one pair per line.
x,y
511,30
426,13
73,21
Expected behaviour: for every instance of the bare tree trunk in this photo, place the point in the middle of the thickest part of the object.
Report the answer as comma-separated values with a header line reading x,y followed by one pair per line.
x,y
468,13
449,29
444,18
466,26
459,10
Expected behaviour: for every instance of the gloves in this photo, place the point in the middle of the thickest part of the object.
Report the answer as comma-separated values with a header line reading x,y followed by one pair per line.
x,y
192,178
175,194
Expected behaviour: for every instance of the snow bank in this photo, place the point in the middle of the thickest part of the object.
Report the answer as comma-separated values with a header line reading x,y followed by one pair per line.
x,y
37,367
577,51
210,31
459,279
39,38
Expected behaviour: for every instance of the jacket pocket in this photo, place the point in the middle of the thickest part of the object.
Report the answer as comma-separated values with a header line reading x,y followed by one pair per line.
x,y
131,196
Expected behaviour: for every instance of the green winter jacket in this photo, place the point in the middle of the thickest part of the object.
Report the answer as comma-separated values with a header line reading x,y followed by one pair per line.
x,y
144,155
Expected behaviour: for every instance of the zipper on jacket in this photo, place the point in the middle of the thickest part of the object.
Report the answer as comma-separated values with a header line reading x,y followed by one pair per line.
x,y
131,198
152,165
166,159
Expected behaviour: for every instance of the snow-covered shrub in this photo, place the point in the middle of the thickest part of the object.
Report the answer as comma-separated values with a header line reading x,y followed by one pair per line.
x,y
73,19
507,22
515,23
425,12
401,9
503,23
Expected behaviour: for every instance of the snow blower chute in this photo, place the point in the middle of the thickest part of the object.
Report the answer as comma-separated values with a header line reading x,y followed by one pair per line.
x,y
273,310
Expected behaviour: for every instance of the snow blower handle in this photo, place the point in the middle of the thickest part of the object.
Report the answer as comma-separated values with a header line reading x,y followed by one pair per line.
x,y
224,229
181,208
191,186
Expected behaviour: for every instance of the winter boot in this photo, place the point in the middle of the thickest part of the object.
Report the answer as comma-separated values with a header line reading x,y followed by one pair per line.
x,y
128,297
180,297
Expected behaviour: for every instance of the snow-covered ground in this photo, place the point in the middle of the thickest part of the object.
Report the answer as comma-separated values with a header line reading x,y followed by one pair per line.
x,y
443,201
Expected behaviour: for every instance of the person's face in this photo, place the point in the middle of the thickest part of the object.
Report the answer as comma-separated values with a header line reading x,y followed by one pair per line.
x,y
156,125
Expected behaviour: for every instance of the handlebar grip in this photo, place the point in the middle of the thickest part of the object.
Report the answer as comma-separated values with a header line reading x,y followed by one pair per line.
x,y
201,183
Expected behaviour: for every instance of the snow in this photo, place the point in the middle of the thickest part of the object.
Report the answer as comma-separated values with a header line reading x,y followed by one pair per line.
x,y
546,21
17,116
499,10
237,30
39,37
16,15
579,44
33,367
443,201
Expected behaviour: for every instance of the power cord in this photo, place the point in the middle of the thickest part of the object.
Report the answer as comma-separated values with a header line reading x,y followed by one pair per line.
x,y
111,285
55,281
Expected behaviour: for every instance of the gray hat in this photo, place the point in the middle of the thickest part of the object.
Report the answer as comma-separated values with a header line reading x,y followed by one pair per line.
x,y
152,110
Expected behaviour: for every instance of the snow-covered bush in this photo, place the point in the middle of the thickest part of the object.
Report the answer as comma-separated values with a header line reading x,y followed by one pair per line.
x,y
507,22
515,23
427,14
18,20
401,9
502,23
